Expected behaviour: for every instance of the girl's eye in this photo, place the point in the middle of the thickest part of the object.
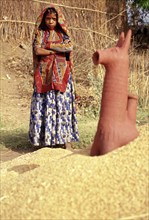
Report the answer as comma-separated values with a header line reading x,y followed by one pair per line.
x,y
54,19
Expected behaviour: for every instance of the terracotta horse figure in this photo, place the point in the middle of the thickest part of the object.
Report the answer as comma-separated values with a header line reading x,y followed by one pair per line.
x,y
117,122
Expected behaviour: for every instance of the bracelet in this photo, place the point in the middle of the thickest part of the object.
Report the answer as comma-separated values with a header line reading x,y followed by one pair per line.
x,y
48,45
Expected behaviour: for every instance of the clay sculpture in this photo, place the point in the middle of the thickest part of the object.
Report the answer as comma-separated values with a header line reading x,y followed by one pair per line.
x,y
117,122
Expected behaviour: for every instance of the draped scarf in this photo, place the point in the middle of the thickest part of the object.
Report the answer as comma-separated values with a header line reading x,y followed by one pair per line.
x,y
51,72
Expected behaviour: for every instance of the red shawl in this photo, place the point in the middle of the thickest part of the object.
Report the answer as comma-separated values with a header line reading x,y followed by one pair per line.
x,y
52,72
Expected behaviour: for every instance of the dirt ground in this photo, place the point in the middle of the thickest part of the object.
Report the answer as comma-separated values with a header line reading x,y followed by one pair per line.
x,y
16,90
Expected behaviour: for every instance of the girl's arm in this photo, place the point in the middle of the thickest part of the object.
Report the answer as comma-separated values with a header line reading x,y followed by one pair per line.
x,y
41,51
61,47
65,46
38,45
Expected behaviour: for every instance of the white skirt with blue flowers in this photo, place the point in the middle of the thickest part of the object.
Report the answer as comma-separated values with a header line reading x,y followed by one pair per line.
x,y
53,117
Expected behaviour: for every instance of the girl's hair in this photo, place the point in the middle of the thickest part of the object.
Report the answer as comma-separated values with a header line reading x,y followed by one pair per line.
x,y
43,25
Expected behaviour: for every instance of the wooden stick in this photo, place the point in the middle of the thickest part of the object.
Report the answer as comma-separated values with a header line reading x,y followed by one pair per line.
x,y
71,7
17,21
73,28
96,32
134,217
113,18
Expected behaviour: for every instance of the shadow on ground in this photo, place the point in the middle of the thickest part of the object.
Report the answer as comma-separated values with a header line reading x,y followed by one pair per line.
x,y
14,144
16,141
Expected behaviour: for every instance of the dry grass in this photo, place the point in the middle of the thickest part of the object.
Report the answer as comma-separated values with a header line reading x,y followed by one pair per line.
x,y
139,77
94,24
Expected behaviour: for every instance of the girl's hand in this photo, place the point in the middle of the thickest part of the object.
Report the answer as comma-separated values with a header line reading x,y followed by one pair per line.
x,y
47,46
66,41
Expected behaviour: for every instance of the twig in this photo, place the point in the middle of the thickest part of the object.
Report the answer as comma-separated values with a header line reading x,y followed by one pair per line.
x,y
134,217
89,30
73,28
91,36
147,71
13,21
71,7
84,48
113,18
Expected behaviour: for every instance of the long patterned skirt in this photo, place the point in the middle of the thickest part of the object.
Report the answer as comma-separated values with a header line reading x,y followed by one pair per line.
x,y
53,117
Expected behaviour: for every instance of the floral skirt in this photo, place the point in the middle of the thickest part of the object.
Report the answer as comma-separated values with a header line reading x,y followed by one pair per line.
x,y
53,117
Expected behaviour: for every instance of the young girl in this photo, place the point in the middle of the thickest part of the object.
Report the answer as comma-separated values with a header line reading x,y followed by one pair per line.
x,y
53,120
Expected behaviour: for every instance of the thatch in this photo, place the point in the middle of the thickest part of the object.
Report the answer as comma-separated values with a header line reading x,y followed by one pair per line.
x,y
60,184
17,17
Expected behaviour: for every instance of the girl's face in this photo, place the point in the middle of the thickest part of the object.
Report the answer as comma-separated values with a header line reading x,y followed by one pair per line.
x,y
51,21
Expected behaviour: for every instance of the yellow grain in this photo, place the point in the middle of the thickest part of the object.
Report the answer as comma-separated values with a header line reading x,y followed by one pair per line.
x,y
60,184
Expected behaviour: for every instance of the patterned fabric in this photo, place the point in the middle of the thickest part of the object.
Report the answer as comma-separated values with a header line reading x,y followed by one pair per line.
x,y
52,72
53,117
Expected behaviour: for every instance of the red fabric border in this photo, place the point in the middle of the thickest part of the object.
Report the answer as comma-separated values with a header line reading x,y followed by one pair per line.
x,y
40,88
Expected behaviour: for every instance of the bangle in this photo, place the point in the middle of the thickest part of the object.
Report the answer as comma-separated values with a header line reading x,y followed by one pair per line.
x,y
48,45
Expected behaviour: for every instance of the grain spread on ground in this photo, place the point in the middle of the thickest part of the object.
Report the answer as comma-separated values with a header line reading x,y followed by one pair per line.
x,y
60,184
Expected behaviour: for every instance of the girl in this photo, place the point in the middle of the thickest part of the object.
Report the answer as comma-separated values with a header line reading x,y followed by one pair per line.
x,y
53,120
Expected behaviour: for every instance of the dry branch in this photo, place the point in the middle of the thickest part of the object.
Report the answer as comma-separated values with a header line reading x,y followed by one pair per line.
x,y
16,21
135,217
73,28
113,18
71,7
96,32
